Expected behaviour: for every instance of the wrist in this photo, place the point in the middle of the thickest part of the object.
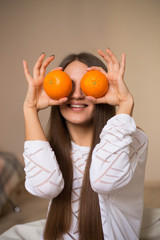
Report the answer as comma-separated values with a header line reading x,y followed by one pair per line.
x,y
29,108
126,107
33,127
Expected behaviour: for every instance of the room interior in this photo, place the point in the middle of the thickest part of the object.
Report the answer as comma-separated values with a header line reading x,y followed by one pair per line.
x,y
29,28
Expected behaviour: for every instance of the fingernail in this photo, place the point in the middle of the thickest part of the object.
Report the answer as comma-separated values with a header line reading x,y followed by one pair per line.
x,y
64,100
42,53
52,55
89,99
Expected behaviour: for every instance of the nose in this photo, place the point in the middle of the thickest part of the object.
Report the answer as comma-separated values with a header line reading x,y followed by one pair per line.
x,y
77,92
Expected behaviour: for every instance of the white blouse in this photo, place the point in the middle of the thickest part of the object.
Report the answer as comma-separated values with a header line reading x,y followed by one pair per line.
x,y
116,174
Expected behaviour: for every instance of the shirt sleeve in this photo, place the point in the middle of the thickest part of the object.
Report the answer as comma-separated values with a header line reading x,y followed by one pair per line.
x,y
43,176
113,159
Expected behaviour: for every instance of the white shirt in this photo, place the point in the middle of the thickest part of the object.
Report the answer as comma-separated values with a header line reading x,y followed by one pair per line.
x,y
116,174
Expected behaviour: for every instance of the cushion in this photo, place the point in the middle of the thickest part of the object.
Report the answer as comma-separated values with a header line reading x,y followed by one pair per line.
x,y
11,173
31,230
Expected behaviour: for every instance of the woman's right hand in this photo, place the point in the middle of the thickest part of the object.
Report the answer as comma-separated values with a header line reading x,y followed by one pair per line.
x,y
36,97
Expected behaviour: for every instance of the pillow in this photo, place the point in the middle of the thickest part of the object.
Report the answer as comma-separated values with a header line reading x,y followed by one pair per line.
x,y
11,173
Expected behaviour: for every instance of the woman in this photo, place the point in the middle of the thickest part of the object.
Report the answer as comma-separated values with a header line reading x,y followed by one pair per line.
x,y
92,164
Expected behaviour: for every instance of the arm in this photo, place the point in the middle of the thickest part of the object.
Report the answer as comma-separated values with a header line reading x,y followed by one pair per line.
x,y
111,166
43,176
115,158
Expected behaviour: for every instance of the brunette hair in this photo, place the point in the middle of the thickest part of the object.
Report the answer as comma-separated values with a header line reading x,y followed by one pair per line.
x,y
60,212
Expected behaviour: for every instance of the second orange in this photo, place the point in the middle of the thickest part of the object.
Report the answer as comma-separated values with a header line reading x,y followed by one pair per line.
x,y
94,83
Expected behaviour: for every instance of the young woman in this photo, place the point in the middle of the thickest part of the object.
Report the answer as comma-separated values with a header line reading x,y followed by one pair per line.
x,y
92,163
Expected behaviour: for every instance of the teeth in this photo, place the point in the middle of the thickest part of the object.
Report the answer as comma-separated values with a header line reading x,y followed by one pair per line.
x,y
77,106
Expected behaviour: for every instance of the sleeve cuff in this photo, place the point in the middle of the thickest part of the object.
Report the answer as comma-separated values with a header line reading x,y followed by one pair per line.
x,y
36,143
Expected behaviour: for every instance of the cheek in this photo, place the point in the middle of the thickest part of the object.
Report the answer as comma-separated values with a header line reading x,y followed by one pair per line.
x,y
91,110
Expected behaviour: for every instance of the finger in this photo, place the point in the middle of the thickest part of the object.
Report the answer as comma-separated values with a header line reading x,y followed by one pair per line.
x,y
115,63
108,59
45,64
96,68
36,69
26,71
57,68
96,100
104,55
61,101
122,65
112,56
91,99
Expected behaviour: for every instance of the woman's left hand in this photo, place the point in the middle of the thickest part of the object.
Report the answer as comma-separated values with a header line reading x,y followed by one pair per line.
x,y
118,93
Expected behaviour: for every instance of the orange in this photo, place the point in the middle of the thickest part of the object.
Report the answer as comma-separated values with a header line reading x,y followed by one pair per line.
x,y
94,83
57,84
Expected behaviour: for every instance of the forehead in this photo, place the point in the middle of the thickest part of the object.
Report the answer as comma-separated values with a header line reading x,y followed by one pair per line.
x,y
76,69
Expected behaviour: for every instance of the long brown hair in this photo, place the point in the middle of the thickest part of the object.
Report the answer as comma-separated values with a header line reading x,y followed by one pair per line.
x,y
60,212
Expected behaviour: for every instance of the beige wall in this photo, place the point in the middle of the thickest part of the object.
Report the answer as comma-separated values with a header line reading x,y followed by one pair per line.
x,y
60,27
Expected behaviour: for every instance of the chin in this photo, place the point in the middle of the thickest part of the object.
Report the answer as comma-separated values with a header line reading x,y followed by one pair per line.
x,y
80,122
78,116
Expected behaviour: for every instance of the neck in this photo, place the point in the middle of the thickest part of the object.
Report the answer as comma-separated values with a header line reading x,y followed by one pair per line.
x,y
80,134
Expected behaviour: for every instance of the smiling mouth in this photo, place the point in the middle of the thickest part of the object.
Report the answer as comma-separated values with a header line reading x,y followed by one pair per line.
x,y
77,105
